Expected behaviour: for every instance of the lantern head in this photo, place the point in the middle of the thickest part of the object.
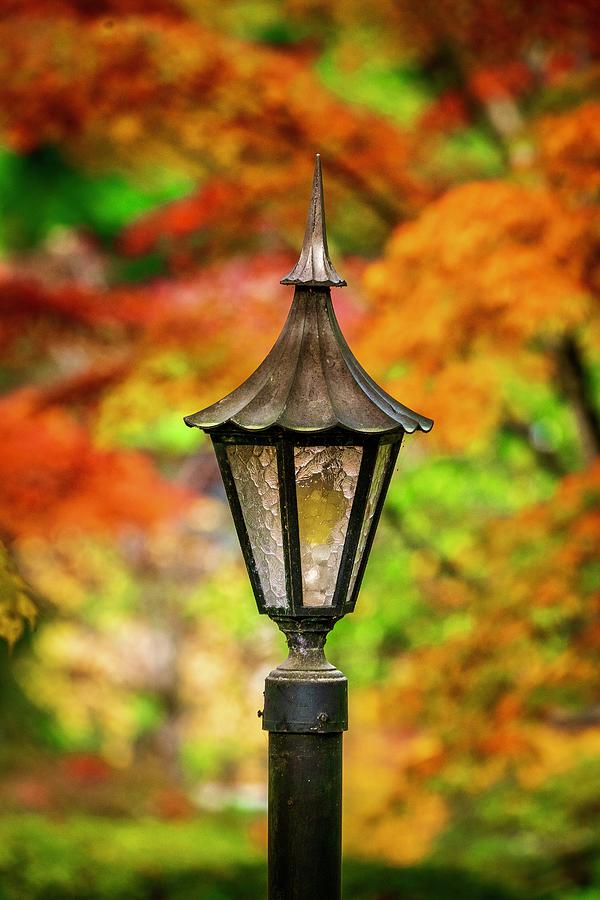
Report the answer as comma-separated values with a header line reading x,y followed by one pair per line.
x,y
307,447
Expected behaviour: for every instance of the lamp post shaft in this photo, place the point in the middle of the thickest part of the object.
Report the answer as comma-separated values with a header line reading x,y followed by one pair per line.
x,y
306,713
305,816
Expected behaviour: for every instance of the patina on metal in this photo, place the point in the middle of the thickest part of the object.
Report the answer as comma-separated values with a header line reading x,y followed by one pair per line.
x,y
311,382
314,267
306,713
305,814
309,394
306,694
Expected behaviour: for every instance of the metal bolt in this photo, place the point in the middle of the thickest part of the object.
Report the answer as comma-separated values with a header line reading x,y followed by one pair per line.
x,y
323,718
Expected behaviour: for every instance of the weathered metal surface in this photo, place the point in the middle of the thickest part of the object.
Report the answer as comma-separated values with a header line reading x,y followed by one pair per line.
x,y
305,816
306,694
316,706
306,711
314,266
311,382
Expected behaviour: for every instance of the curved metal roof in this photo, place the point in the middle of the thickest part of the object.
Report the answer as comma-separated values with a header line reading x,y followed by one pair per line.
x,y
311,381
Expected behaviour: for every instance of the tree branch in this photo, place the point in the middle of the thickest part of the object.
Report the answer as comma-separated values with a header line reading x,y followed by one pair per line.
x,y
545,457
575,385
446,566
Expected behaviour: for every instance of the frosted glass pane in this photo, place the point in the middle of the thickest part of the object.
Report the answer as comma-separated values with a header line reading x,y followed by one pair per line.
x,y
255,472
381,464
325,485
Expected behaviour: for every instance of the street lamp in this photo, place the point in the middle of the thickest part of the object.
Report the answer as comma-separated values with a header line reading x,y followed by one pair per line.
x,y
307,447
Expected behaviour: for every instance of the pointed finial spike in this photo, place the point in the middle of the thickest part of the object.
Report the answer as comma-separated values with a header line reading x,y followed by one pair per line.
x,y
314,266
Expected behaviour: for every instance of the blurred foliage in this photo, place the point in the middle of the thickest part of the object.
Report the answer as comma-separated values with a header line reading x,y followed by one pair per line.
x,y
16,604
41,191
151,196
209,860
92,858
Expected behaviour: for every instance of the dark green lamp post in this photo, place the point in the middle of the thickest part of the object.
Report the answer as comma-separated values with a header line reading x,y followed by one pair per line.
x,y
307,447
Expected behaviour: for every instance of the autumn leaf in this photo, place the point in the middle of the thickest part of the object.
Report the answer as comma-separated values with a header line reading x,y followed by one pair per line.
x,y
17,608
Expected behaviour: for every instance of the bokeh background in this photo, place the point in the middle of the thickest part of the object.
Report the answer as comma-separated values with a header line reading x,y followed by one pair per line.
x,y
154,176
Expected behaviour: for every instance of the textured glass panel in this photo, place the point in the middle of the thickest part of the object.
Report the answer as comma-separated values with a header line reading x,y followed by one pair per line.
x,y
255,472
381,464
325,484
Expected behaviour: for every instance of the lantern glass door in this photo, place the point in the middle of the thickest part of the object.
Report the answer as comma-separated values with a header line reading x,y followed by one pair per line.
x,y
386,455
326,479
255,472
